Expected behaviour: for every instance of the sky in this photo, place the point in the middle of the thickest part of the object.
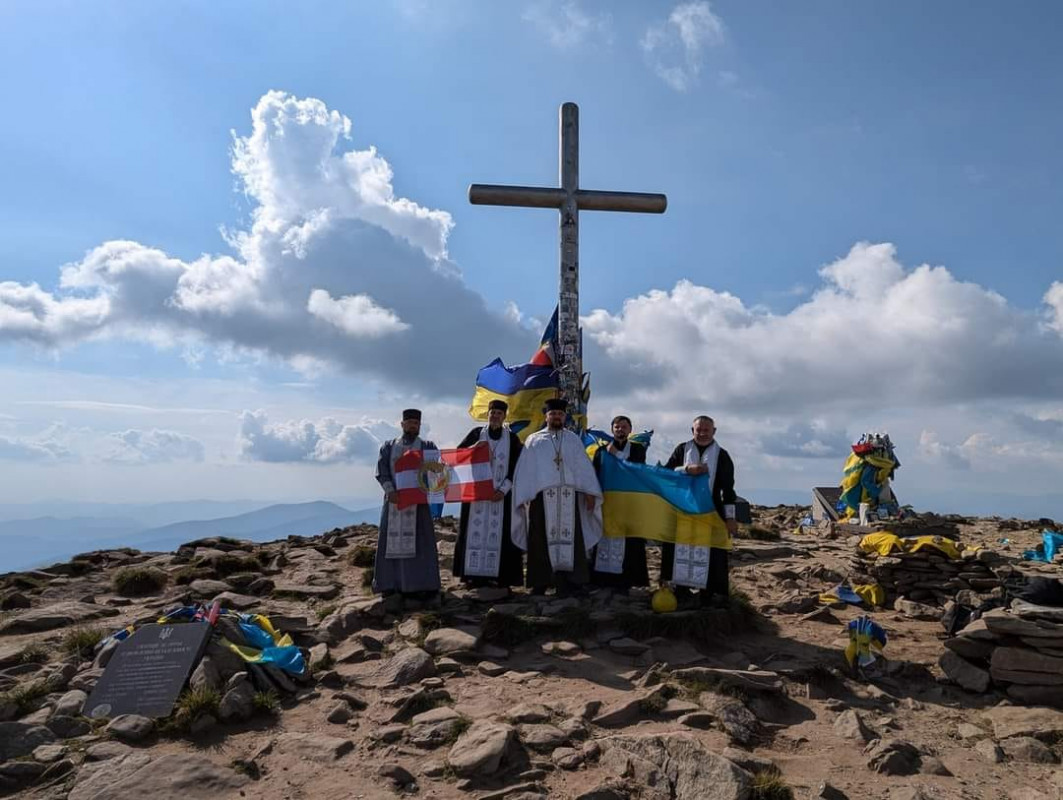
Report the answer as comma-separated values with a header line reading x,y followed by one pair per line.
x,y
236,240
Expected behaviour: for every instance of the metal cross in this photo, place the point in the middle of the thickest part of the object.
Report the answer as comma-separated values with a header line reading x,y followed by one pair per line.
x,y
569,199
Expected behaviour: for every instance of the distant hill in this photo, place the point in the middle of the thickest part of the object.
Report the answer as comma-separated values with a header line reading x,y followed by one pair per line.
x,y
36,542
272,522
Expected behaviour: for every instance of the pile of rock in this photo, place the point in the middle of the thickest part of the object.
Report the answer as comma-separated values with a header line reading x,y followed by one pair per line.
x,y
1019,651
928,575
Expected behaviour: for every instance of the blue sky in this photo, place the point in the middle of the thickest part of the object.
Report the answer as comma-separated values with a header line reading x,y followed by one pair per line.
x,y
783,134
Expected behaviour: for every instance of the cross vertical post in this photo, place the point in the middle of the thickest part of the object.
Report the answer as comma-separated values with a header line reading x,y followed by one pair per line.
x,y
568,199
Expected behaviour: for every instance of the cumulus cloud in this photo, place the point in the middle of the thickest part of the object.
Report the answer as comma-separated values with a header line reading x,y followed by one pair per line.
x,y
675,48
905,336
802,440
1054,301
154,446
323,442
566,24
50,445
334,270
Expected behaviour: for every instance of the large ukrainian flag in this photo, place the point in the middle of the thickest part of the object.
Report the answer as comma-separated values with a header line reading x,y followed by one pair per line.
x,y
525,387
647,502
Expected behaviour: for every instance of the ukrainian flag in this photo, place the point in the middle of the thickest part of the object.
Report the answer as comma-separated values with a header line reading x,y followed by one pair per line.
x,y
525,387
594,438
647,502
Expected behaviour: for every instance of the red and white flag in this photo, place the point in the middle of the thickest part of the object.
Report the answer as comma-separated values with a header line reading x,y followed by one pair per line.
x,y
461,475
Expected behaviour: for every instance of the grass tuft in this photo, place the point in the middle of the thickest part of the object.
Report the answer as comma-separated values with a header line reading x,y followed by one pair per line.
x,y
266,702
367,577
768,784
191,705
232,564
81,642
324,610
35,653
26,696
362,555
760,534
186,575
461,724
134,581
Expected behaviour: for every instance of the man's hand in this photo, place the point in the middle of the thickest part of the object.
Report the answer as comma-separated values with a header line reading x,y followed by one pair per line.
x,y
498,495
393,497
588,501
612,448
697,469
732,527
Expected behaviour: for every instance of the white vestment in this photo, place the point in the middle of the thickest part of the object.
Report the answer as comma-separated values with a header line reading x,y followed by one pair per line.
x,y
610,557
556,464
691,564
483,542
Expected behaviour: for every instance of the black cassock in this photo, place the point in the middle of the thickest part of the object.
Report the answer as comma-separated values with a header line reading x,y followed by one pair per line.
x,y
635,572
511,561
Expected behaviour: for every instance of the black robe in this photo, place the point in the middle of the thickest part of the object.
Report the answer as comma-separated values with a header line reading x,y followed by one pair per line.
x,y
723,494
635,572
511,561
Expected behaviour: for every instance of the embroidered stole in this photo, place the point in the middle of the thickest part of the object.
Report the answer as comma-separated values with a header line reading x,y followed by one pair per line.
x,y
484,535
610,555
402,524
559,507
691,565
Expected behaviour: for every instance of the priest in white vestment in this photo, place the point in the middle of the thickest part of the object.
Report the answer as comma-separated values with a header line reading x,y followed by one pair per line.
x,y
557,510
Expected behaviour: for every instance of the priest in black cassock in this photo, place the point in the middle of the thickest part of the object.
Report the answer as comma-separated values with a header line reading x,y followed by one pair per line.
x,y
620,563
557,515
485,554
406,557
704,568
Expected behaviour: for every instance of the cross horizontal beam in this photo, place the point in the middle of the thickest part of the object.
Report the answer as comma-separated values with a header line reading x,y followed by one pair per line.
x,y
485,194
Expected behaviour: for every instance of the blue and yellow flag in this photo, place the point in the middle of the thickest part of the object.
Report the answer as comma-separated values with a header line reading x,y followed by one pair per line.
x,y
648,502
593,438
526,388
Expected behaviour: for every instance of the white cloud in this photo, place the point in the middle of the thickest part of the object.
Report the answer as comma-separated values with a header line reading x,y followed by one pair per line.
x,y
332,264
356,314
896,336
802,440
1054,301
675,47
153,447
566,24
324,442
50,445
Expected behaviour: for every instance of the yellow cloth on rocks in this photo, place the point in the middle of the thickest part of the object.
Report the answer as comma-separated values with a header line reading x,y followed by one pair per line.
x,y
946,546
882,543
871,593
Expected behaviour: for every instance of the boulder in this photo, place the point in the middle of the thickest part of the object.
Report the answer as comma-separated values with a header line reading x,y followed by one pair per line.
x,y
850,725
68,727
567,758
530,713
57,615
914,610
1036,695
445,641
238,702
177,776
675,766
131,727
1028,749
71,704
894,757
480,750
205,588
732,716
18,739
963,672
306,591
406,666
989,751
1008,721
542,737
1022,659
313,747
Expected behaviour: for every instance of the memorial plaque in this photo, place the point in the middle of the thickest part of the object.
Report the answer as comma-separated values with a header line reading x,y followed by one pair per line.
x,y
148,670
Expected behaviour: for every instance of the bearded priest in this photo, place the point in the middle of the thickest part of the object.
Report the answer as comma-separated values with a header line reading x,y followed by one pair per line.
x,y
556,506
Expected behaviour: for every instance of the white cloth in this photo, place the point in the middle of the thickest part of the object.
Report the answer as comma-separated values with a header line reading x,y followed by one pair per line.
x,y
483,542
556,464
402,523
691,564
610,555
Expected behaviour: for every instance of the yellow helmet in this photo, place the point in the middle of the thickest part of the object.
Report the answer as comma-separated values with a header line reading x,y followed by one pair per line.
x,y
664,600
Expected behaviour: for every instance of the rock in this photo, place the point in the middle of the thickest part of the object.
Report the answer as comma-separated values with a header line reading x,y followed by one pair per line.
x,y
306,591
49,753
18,739
490,669
542,737
1028,749
22,771
967,731
313,747
989,751
560,648
356,703
574,728
675,766
530,713
827,792
567,758
701,720
675,708
1036,695
972,649
850,725
205,588
914,610
479,751
627,647
932,765
57,615
71,704
66,727
1000,623
747,761
240,602
1026,793
435,727
131,727
894,757
734,718
397,774
202,724
746,679
238,702
405,667
1008,721
445,641
105,751
1020,659
963,672
388,733
608,790
339,714
177,775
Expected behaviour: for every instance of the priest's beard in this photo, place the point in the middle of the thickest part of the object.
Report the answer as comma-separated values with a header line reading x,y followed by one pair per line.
x,y
555,426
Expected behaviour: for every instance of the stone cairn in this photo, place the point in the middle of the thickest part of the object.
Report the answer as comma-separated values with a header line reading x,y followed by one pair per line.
x,y
928,575
1018,651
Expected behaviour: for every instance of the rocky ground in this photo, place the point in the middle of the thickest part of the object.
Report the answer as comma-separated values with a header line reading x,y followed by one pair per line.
x,y
486,694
